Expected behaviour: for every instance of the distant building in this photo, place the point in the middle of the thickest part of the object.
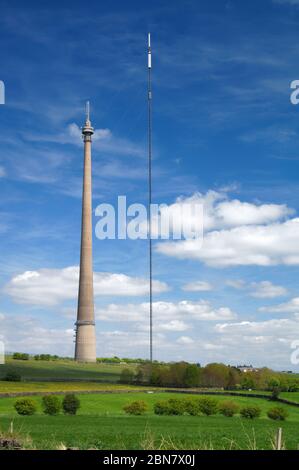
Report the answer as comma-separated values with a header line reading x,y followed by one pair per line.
x,y
245,368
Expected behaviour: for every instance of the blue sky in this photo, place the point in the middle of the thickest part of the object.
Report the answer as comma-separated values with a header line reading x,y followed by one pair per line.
x,y
225,133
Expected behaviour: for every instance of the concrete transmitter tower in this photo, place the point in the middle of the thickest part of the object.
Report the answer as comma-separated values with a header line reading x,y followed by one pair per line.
x,y
85,350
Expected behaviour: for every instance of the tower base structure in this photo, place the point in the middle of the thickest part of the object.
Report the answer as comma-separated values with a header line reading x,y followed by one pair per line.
x,y
85,342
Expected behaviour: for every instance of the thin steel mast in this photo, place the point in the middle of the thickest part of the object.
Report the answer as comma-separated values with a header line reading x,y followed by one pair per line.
x,y
150,194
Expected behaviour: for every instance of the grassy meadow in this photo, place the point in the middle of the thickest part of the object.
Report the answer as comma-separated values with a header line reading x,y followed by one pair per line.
x,y
101,423
57,387
63,370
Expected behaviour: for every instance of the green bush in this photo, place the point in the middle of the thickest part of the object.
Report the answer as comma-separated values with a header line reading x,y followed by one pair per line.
x,y
176,406
127,376
293,387
12,377
278,413
51,405
208,406
250,412
70,404
25,406
138,407
228,408
161,407
21,356
191,407
173,406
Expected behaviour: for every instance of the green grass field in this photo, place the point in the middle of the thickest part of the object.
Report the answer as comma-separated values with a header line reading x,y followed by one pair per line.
x,y
293,396
101,423
63,370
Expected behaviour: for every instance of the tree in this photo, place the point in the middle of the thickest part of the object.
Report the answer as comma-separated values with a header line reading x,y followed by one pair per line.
x,y
51,405
293,386
20,356
247,382
232,379
70,404
25,407
13,376
127,376
192,375
143,373
274,387
215,375
157,375
176,374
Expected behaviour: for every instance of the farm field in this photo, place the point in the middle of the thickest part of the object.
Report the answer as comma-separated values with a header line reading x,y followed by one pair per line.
x,y
56,387
63,370
293,396
101,423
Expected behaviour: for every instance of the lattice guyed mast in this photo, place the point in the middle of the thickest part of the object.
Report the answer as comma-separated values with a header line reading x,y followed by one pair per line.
x,y
149,63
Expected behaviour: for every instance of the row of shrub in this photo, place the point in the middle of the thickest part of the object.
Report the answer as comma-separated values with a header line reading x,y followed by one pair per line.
x,y
20,356
203,406
46,357
12,376
51,405
108,360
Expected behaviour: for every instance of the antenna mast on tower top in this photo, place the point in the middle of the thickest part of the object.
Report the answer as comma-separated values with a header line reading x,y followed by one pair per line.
x,y
150,193
87,111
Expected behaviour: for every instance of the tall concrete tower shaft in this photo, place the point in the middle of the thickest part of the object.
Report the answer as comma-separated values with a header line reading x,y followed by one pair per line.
x,y
85,350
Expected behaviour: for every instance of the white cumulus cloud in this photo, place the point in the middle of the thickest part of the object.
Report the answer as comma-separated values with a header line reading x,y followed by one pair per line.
x,y
185,340
236,283
197,286
267,290
263,245
278,328
184,310
234,232
53,286
292,306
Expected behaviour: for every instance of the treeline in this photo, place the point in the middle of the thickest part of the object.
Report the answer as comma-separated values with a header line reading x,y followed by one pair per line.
x,y
21,356
18,356
214,375
125,360
105,360
46,357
